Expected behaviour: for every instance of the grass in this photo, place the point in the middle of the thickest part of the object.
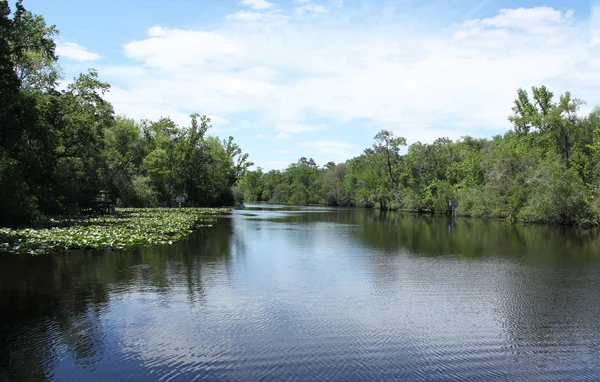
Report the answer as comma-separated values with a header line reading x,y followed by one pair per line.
x,y
127,228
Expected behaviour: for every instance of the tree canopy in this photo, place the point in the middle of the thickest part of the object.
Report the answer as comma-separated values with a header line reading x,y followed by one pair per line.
x,y
546,169
61,147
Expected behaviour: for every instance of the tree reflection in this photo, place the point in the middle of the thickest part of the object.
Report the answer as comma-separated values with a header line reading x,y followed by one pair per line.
x,y
434,235
52,305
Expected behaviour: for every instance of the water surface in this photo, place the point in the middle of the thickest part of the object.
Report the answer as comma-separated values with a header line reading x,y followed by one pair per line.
x,y
280,293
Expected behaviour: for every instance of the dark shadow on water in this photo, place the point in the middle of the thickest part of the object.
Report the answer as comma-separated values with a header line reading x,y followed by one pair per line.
x,y
59,298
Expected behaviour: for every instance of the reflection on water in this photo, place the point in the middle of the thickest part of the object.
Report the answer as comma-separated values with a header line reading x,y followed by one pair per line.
x,y
274,292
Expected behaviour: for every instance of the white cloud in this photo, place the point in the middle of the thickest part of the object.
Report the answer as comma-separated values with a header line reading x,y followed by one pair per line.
x,y
316,8
75,52
258,4
420,85
328,145
274,137
275,165
139,106
527,22
177,48
327,150
248,16
294,128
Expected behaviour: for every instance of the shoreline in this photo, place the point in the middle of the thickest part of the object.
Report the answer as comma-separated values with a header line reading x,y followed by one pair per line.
x,y
578,225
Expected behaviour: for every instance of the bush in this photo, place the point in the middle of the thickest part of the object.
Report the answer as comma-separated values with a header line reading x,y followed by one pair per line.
x,y
473,202
140,193
557,196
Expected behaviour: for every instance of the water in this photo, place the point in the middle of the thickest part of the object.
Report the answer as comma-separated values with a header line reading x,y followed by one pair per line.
x,y
271,293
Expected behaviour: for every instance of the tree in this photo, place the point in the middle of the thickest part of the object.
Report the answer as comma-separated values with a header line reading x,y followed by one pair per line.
x,y
369,175
557,195
303,181
19,205
33,50
59,148
388,146
334,185
77,122
564,125
252,185
239,160
532,116
122,157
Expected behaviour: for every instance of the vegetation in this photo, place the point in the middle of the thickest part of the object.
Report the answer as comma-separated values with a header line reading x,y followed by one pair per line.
x,y
128,228
547,169
60,147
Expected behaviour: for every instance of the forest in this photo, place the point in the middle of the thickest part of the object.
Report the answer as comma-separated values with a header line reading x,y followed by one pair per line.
x,y
545,170
59,147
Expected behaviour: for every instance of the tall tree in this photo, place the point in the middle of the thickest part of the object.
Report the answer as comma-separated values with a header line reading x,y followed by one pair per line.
x,y
33,50
18,204
388,146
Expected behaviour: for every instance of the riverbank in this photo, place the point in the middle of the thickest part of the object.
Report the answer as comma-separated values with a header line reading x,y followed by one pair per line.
x,y
127,228
590,222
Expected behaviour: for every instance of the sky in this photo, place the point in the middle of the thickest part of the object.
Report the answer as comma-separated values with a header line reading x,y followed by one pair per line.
x,y
319,78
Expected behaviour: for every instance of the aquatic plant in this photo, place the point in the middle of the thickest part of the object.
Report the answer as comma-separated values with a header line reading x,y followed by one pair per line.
x,y
127,228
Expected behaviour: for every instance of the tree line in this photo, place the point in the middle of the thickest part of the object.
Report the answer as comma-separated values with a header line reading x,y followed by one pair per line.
x,y
60,147
546,169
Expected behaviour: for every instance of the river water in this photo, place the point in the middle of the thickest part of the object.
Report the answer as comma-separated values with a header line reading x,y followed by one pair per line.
x,y
281,293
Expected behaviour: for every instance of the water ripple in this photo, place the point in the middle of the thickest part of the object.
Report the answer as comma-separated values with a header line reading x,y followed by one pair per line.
x,y
306,295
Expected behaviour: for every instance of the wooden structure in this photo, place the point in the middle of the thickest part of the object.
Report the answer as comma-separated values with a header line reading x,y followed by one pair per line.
x,y
102,204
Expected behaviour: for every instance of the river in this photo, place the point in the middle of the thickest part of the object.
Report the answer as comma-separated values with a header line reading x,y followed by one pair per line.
x,y
311,293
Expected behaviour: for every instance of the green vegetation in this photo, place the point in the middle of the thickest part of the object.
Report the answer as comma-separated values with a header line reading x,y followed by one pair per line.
x,y
127,228
60,147
546,170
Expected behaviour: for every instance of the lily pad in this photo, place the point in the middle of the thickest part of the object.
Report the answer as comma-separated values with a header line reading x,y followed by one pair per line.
x,y
127,228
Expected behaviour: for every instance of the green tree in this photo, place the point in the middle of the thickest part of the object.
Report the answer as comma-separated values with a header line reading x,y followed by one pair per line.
x,y
19,205
337,193
557,195
252,185
369,177
388,147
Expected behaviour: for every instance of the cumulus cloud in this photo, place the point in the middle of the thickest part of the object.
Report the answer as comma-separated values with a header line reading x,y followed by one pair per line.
x,y
294,128
246,16
75,52
455,80
275,165
328,150
258,4
274,137
316,8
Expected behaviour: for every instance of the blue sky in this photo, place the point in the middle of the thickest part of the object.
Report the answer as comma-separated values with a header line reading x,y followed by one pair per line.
x,y
319,78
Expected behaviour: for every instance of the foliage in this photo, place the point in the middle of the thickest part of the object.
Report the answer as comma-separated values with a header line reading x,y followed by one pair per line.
x,y
557,195
545,170
129,227
60,147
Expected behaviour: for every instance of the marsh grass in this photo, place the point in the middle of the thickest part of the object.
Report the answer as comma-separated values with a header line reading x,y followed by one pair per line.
x,y
127,228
